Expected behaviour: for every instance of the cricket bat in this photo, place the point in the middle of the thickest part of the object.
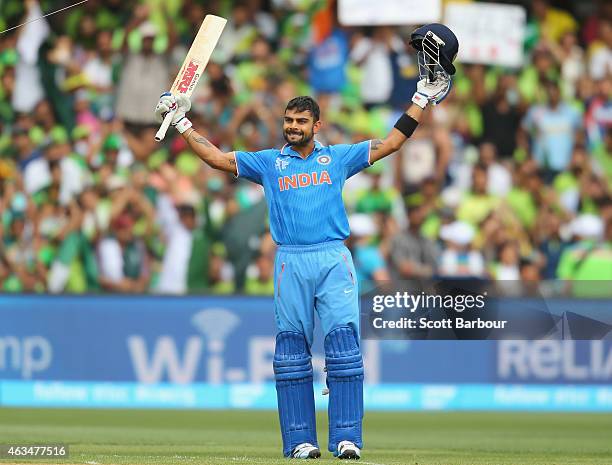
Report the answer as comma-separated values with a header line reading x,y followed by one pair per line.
x,y
195,62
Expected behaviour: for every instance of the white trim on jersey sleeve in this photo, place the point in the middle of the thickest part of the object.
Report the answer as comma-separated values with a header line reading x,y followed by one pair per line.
x,y
237,170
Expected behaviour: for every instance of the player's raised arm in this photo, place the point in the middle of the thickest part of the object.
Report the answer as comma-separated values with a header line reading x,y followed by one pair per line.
x,y
437,47
203,148
427,92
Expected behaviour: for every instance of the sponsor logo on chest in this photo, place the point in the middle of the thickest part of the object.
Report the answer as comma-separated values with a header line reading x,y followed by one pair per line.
x,y
300,180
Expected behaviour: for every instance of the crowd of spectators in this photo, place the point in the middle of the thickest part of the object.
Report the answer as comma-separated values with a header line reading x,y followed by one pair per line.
x,y
509,178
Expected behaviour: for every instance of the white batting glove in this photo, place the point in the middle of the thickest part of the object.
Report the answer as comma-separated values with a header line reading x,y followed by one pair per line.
x,y
431,92
180,104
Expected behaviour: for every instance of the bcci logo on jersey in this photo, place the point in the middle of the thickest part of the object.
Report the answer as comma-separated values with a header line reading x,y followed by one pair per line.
x,y
323,159
281,164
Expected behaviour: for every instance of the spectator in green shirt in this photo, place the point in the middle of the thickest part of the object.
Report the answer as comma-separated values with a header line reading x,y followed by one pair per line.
x,y
260,279
602,157
589,259
477,204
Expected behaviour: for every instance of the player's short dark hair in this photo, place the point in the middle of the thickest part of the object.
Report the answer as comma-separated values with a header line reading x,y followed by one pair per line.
x,y
304,103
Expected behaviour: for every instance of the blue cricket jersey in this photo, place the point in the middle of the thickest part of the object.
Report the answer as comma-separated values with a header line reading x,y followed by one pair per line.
x,y
304,196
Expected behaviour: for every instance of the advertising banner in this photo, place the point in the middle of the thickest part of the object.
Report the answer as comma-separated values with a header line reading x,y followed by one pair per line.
x,y
388,12
488,33
216,352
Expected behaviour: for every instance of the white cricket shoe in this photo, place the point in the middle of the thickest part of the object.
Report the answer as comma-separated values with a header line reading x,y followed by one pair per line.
x,y
305,451
348,450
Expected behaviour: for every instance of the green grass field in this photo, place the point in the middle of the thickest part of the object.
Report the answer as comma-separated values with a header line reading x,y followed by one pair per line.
x,y
251,437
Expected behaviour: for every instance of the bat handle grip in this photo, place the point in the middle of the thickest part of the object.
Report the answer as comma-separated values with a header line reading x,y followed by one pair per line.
x,y
161,132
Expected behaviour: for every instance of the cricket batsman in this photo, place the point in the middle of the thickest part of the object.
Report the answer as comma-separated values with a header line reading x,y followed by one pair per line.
x,y
313,269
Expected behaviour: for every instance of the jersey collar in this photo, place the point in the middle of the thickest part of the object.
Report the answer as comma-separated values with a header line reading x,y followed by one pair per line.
x,y
287,150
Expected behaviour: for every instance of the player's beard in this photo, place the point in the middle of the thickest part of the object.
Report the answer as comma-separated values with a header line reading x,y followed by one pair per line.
x,y
298,141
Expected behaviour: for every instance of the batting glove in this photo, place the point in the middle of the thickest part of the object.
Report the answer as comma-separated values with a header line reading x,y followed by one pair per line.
x,y
431,92
179,104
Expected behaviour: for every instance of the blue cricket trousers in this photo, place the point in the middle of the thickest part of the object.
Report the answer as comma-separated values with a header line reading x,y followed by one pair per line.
x,y
319,277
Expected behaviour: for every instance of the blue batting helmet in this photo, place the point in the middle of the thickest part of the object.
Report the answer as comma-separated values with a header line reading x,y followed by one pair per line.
x,y
437,48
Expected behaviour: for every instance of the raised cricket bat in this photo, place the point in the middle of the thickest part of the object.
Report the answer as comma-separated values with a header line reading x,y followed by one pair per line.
x,y
195,62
